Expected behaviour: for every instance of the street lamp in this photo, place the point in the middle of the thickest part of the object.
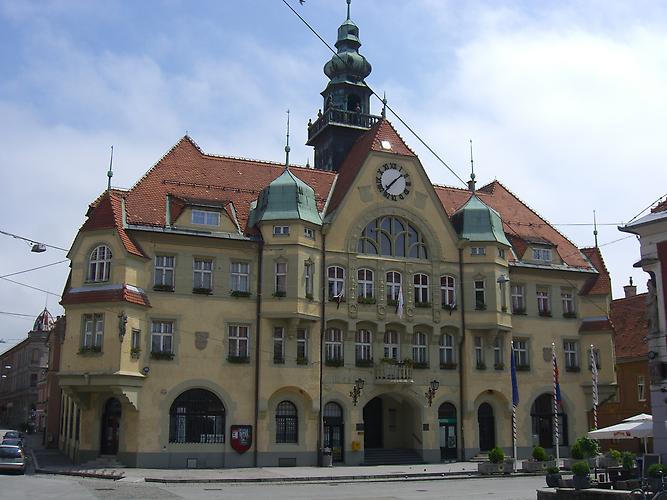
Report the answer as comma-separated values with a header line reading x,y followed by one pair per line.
x,y
432,389
356,390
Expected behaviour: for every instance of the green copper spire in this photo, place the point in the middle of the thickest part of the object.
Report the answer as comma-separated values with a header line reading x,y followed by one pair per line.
x,y
476,221
347,65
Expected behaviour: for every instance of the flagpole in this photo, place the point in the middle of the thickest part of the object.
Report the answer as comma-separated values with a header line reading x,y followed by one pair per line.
x,y
594,374
555,418
515,401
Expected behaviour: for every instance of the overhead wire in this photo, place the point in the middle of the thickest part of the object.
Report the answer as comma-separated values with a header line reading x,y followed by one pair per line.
x,y
31,240
33,269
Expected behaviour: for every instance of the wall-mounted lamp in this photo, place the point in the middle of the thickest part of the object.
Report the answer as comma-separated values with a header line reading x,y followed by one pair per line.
x,y
356,390
432,389
502,279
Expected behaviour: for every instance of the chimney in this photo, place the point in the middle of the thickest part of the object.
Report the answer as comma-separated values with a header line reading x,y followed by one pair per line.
x,y
630,290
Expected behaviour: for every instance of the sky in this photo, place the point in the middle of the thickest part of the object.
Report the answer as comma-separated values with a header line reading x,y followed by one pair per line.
x,y
564,102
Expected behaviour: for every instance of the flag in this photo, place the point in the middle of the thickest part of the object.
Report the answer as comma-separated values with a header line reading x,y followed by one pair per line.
x,y
452,306
339,297
515,385
556,379
399,303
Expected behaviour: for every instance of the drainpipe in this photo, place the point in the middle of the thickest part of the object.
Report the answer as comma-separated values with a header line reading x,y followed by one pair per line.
x,y
320,427
461,354
258,301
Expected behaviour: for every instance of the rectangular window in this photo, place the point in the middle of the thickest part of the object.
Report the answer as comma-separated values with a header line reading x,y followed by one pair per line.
x,y
365,284
136,339
543,302
421,289
446,349
542,254
281,279
205,217
240,274
363,346
448,291
521,354
568,303
93,331
479,352
477,250
280,230
33,380
570,349
336,276
518,293
480,295
391,345
162,337
501,253
308,277
393,287
202,274
420,348
301,346
498,361
279,345
164,271
333,345
309,233
239,338
641,388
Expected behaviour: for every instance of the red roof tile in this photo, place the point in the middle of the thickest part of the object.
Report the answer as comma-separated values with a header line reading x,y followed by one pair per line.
x,y
120,294
660,207
185,171
628,316
601,283
369,141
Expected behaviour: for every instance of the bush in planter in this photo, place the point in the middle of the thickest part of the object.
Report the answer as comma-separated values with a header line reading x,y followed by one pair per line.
x,y
628,461
553,476
581,479
496,456
539,454
614,454
656,470
590,448
575,451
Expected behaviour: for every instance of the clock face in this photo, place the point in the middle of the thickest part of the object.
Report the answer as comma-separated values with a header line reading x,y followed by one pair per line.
x,y
393,181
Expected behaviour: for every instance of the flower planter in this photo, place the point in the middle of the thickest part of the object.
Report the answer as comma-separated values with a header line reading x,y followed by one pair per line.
x,y
581,482
553,480
537,466
491,468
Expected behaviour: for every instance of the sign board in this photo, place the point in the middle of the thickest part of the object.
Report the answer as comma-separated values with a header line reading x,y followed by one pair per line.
x,y
241,437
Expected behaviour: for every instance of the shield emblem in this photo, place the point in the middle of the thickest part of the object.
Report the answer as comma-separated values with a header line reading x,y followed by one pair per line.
x,y
241,437
201,340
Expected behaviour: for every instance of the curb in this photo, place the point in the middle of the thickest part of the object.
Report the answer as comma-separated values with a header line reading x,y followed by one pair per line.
x,y
93,475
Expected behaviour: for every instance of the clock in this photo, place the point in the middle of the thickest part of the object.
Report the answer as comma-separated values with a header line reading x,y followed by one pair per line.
x,y
393,181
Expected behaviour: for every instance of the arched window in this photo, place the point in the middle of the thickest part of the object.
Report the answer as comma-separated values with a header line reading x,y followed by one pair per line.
x,y
99,264
336,276
393,237
419,348
421,289
287,423
448,291
197,416
542,415
393,286
365,284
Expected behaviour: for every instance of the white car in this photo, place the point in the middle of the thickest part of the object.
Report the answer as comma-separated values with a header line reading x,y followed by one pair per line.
x,y
12,459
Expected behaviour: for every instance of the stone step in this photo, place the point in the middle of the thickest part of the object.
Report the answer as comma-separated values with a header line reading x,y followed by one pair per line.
x,y
392,456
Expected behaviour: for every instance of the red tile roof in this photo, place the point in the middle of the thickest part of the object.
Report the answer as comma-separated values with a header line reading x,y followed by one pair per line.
x,y
117,295
628,316
660,207
185,171
369,141
601,283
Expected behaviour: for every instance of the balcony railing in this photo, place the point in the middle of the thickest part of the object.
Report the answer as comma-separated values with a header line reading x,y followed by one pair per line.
x,y
341,117
393,373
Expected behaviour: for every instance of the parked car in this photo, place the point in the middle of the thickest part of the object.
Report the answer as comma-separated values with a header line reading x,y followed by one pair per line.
x,y
13,442
12,458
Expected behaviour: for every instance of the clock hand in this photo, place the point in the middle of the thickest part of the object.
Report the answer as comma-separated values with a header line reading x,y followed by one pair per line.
x,y
391,183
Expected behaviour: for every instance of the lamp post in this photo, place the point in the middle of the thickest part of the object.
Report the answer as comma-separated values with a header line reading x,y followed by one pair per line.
x,y
356,390
432,389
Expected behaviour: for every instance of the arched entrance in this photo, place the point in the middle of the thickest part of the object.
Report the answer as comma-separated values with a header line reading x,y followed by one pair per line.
x,y
542,416
373,424
487,427
333,430
447,423
110,427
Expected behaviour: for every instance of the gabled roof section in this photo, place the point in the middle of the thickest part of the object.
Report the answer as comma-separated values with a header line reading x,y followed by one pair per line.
x,y
106,212
188,173
372,140
628,316
600,284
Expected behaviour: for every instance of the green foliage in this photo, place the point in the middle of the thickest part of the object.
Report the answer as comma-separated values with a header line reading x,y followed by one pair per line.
x,y
575,451
628,460
496,455
539,454
589,447
553,470
581,468
656,470
615,454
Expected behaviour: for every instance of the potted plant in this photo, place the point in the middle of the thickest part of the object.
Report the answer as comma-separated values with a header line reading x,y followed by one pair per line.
x,y
553,476
610,459
628,465
581,479
590,448
539,461
655,473
495,463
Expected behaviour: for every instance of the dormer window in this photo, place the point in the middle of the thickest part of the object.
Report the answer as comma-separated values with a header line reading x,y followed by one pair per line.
x,y
99,264
542,254
205,217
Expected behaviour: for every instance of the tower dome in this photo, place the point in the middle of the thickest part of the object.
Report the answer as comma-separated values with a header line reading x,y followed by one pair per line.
x,y
348,65
44,322
476,221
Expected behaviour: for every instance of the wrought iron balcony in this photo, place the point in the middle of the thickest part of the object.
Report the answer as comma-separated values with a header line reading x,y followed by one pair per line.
x,y
341,117
393,373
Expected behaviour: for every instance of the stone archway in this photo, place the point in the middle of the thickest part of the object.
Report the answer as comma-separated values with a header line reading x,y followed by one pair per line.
x,y
110,433
487,427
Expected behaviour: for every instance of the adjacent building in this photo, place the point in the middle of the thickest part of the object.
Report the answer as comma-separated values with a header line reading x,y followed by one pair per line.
x,y
226,312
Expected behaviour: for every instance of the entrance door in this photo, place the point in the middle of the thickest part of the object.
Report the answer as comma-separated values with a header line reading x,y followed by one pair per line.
x,y
373,424
487,427
447,423
333,430
110,427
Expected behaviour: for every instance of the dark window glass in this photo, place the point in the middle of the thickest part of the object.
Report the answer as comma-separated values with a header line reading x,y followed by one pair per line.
x,y
197,416
287,423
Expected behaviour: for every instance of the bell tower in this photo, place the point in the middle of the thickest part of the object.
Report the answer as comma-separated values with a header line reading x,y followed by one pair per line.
x,y
345,113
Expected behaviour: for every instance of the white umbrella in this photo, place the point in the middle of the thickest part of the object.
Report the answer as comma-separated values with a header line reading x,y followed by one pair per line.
x,y
624,430
639,418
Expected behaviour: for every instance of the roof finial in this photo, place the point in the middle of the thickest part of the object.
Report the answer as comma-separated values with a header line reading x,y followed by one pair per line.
x,y
110,172
287,148
595,230
471,182
348,8
384,104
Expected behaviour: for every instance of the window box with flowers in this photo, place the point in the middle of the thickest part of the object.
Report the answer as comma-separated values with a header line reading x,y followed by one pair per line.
x,y
423,305
480,306
499,366
135,352
420,365
449,307
163,288
523,368
238,360
570,315
363,363
278,360
309,296
335,362
545,314
448,366
90,349
366,300
202,291
239,293
519,311
279,294
572,369
392,302
162,355
480,366
301,361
